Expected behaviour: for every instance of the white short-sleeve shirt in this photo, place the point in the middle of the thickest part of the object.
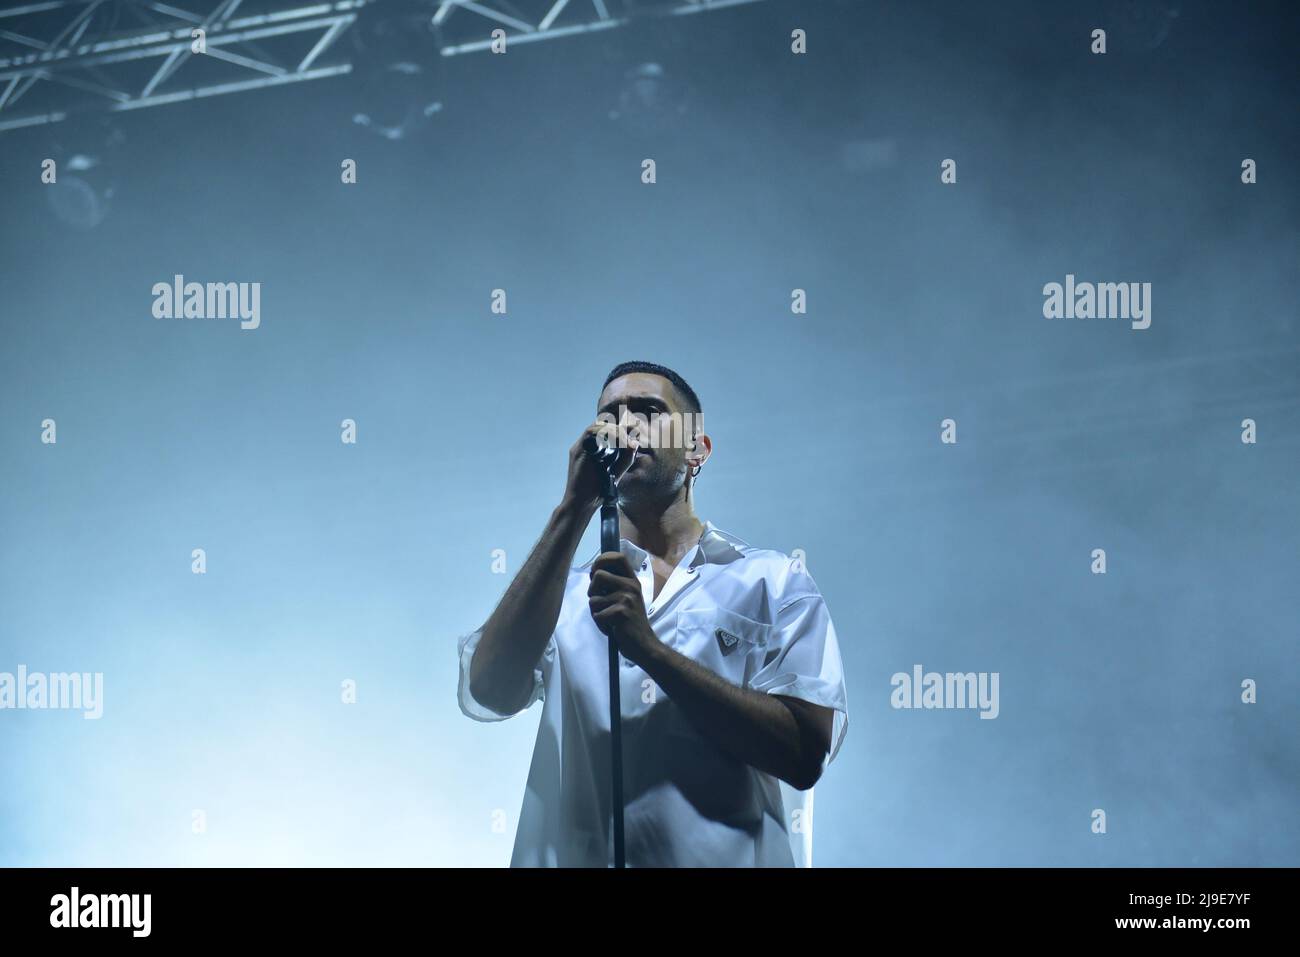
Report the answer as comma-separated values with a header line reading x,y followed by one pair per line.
x,y
753,616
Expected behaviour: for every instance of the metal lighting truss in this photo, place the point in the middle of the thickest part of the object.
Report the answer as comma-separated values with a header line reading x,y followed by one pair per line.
x,y
101,64
87,64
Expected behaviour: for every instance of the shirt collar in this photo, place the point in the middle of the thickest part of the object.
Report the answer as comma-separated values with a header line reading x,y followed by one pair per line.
x,y
718,547
715,546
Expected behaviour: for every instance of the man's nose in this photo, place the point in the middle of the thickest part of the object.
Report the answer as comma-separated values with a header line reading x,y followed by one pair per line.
x,y
635,429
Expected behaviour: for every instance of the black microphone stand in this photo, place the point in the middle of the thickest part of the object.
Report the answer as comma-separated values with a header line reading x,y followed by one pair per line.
x,y
609,538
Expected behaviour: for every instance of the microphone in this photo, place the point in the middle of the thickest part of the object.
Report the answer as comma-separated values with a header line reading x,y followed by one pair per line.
x,y
609,542
602,454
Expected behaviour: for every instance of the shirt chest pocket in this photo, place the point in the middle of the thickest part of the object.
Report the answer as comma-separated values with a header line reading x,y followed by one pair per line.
x,y
726,643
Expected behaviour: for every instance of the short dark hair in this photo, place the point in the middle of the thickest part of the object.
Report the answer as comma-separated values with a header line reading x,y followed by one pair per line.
x,y
684,391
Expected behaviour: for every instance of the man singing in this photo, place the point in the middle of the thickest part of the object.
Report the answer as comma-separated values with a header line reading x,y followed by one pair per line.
x,y
731,681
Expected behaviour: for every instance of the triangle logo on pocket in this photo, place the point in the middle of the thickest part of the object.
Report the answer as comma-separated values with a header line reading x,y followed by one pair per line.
x,y
727,639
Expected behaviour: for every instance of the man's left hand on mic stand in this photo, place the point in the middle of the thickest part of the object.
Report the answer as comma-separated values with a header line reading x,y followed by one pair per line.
x,y
618,608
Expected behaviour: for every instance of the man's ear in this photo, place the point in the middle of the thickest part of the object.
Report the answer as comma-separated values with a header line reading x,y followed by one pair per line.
x,y
698,453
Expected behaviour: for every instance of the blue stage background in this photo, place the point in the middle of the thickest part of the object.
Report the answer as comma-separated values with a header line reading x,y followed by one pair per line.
x,y
328,562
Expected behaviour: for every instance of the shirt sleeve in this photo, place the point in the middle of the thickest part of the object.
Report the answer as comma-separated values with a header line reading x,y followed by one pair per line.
x,y
803,657
470,706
